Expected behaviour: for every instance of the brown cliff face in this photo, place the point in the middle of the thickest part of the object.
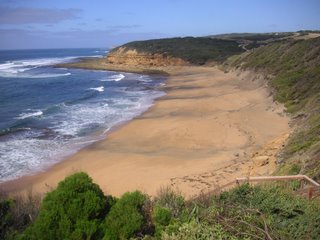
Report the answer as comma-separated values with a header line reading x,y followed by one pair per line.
x,y
132,57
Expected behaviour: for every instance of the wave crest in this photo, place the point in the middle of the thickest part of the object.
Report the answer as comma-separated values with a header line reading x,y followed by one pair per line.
x,y
99,89
31,113
116,78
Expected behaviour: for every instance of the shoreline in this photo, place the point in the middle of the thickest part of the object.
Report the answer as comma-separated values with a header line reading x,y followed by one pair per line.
x,y
181,140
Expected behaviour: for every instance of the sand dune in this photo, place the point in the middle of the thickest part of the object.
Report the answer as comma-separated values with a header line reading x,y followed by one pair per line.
x,y
209,128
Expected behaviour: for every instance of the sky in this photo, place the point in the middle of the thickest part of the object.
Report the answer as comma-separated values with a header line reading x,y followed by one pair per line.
x,y
31,24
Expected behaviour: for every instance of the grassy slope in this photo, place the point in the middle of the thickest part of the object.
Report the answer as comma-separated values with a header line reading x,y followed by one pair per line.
x,y
295,69
254,40
252,36
194,50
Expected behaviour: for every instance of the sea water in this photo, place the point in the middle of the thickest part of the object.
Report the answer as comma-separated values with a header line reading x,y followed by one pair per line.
x,y
48,113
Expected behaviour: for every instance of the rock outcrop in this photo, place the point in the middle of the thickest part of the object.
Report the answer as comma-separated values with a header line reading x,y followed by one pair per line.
x,y
132,57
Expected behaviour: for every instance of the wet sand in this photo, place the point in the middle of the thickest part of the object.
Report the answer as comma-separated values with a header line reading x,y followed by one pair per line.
x,y
208,129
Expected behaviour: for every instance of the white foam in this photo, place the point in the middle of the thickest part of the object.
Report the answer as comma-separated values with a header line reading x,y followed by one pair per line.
x,y
99,89
21,68
32,113
116,78
106,113
25,156
46,75
144,79
93,56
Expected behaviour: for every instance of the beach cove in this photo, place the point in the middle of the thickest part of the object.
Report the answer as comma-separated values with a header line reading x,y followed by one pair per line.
x,y
208,129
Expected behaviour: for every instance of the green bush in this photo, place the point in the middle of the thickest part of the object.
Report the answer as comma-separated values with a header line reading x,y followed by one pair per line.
x,y
171,200
72,211
6,219
290,217
199,231
17,213
161,216
77,209
126,217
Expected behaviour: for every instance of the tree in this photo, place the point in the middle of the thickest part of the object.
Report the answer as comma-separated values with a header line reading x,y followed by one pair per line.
x,y
72,211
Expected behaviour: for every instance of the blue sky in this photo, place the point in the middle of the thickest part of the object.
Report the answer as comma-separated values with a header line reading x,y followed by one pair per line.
x,y
26,24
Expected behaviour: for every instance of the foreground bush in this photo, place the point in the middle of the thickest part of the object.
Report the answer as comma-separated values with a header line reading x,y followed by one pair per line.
x,y
5,217
196,231
126,217
73,211
274,211
169,199
77,209
17,212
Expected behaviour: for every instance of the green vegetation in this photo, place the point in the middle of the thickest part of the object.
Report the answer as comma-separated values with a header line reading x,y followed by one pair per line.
x,y
77,209
126,217
197,51
5,217
295,69
254,40
16,214
253,36
73,211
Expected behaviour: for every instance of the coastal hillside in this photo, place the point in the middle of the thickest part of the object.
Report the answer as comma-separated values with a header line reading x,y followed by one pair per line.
x,y
290,60
194,50
293,67
254,40
174,51
271,211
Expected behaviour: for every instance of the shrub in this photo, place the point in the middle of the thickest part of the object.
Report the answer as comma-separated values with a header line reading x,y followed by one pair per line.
x,y
72,211
171,200
289,216
202,231
161,218
161,215
126,217
6,219
17,213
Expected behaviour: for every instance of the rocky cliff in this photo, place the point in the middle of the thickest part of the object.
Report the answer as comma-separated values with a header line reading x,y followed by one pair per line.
x,y
132,57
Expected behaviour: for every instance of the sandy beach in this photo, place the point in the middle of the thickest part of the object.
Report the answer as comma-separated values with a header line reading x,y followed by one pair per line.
x,y
208,129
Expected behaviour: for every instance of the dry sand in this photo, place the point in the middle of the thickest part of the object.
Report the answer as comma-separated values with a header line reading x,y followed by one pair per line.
x,y
209,128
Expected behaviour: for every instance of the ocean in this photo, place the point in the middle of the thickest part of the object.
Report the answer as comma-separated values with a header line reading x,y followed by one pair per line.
x,y
47,114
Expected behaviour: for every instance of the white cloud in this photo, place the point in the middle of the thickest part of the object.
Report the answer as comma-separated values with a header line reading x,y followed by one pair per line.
x,y
17,16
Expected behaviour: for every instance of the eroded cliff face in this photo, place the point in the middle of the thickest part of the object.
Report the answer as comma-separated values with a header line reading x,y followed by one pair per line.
x,y
132,57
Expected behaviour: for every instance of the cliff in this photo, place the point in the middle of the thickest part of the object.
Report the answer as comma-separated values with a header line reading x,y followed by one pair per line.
x,y
132,57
